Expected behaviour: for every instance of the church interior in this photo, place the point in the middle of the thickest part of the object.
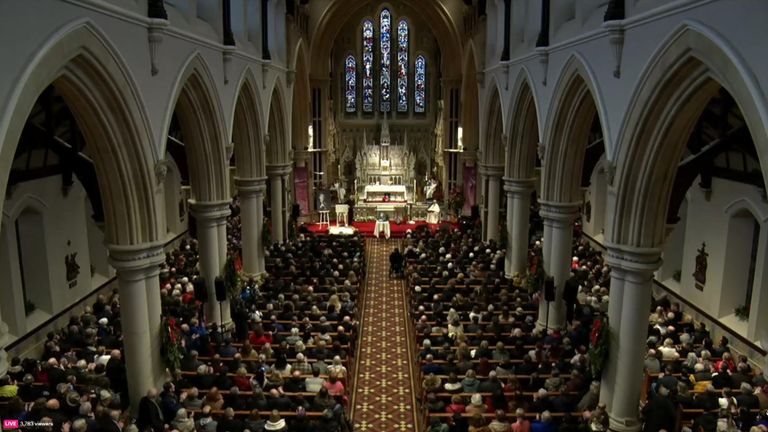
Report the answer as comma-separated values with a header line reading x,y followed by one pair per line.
x,y
401,215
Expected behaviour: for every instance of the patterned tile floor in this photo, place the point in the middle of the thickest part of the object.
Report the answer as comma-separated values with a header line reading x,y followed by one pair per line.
x,y
383,399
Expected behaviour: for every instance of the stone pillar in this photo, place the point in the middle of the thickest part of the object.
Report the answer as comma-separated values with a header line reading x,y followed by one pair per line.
x,y
614,321
632,274
558,244
494,198
491,199
210,215
518,218
251,193
223,243
287,203
138,267
277,195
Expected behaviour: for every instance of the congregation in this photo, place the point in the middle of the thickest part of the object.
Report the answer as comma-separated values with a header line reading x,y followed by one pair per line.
x,y
283,364
487,365
486,361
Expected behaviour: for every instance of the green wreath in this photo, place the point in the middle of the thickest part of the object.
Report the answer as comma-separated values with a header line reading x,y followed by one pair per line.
x,y
171,348
599,341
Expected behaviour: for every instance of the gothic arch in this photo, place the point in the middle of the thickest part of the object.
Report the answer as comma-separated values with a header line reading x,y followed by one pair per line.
x,y
683,75
493,146
470,105
337,14
574,106
302,102
197,105
88,72
246,129
277,150
524,131
745,204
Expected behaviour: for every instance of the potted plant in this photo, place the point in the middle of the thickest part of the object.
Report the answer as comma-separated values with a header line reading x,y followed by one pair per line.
x,y
742,312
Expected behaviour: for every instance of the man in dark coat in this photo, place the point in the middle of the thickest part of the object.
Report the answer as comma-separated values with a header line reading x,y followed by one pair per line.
x,y
150,416
659,413
117,375
570,292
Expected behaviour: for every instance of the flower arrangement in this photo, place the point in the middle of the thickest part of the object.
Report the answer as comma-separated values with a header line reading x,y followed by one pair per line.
x,y
598,345
171,348
456,199
742,312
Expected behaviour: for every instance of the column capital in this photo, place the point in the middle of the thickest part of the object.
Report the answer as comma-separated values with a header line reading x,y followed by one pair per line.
x,y
136,261
491,170
559,211
278,170
515,185
250,186
636,263
209,210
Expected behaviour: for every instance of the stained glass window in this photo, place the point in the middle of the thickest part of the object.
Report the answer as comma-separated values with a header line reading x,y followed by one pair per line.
x,y
351,83
367,65
420,90
385,22
402,66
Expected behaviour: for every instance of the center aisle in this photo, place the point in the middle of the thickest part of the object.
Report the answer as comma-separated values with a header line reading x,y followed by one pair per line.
x,y
384,398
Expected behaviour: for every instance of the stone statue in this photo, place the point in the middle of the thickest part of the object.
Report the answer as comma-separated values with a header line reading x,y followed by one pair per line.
x,y
429,188
700,274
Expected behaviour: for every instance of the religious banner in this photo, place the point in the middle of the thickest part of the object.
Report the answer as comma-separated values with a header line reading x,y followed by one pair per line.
x,y
470,188
300,186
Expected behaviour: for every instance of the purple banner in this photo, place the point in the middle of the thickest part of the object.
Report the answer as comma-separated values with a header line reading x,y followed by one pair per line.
x,y
300,186
470,187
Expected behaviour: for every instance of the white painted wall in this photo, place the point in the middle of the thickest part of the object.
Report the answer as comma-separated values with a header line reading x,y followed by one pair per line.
x,y
728,244
64,231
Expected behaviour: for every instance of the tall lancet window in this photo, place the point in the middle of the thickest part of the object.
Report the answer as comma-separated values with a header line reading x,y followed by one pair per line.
x,y
385,22
402,66
351,83
368,66
420,90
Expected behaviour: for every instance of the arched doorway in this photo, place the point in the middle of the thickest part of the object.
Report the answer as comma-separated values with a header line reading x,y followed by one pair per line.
x,y
278,167
250,175
573,145
85,71
659,155
491,167
520,181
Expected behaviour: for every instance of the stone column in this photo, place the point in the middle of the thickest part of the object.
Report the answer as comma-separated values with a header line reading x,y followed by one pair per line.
x,y
223,243
138,267
518,218
494,198
210,216
277,193
251,193
287,203
632,274
558,243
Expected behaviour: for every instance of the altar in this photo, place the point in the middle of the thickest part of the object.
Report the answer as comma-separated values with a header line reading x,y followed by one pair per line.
x,y
388,193
385,178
